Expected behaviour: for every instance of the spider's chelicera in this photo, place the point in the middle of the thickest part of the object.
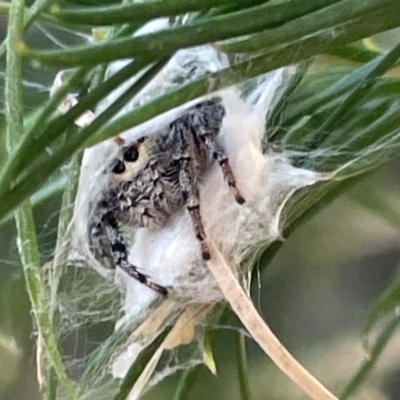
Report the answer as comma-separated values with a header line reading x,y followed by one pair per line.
x,y
153,178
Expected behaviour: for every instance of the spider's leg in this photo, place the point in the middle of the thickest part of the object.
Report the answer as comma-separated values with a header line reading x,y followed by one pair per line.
x,y
219,155
119,254
191,195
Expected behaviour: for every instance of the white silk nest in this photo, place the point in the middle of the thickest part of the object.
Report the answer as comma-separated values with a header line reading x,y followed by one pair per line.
x,y
171,255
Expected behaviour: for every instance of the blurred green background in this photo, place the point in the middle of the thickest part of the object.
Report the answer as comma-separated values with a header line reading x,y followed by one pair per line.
x,y
316,294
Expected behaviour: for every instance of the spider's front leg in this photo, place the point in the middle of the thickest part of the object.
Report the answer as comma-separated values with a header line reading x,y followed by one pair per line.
x,y
190,193
119,254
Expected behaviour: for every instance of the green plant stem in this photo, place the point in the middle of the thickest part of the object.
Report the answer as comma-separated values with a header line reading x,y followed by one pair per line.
x,y
366,366
13,81
241,363
51,385
27,240
136,12
165,42
35,11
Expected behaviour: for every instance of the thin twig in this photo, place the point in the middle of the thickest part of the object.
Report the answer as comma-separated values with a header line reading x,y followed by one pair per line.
x,y
260,331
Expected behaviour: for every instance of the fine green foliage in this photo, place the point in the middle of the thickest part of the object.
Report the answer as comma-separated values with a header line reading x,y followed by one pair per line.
x,y
340,119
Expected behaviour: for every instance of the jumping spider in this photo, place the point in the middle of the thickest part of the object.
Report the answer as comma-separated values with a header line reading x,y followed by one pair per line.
x,y
156,176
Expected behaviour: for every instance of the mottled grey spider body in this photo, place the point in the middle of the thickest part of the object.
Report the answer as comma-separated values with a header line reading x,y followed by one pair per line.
x,y
153,178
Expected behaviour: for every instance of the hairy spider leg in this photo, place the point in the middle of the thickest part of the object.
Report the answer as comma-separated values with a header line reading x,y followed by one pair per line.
x,y
191,195
205,130
219,155
120,258
120,255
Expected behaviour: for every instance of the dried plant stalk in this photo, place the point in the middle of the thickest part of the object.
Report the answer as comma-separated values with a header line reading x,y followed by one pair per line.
x,y
260,331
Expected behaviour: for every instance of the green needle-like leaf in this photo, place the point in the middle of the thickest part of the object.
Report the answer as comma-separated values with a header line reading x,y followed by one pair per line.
x,y
327,18
137,12
366,366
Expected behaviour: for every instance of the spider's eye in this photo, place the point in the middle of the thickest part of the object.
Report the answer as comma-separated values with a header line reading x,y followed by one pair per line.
x,y
119,167
131,154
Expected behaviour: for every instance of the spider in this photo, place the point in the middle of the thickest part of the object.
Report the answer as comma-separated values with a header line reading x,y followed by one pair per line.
x,y
153,178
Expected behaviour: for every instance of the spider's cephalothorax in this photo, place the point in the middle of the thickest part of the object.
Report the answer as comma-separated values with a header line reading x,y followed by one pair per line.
x,y
154,177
